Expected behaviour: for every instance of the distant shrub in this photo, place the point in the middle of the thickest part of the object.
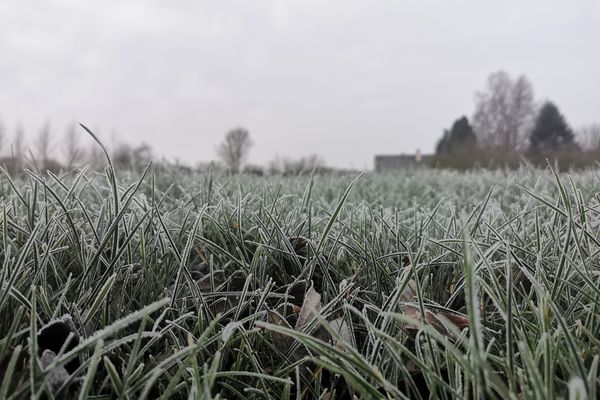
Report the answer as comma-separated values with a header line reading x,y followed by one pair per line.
x,y
301,166
12,165
256,170
566,158
51,165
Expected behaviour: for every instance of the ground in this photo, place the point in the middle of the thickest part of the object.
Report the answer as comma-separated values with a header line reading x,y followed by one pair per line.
x,y
422,283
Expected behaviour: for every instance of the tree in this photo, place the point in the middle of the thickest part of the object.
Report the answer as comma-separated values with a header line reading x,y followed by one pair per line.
x,y
122,156
72,150
504,112
589,136
459,139
95,156
551,131
141,156
129,157
234,150
43,143
2,133
18,149
14,161
312,163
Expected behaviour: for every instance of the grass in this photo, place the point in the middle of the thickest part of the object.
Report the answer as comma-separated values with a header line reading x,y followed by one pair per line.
x,y
196,286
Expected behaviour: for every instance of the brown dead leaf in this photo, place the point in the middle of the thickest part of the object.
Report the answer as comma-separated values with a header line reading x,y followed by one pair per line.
x,y
460,321
438,319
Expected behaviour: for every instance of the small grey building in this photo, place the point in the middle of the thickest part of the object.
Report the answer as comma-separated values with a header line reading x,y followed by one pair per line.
x,y
401,161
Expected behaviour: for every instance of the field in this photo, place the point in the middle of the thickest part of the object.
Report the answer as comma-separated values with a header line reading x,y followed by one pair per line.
x,y
422,284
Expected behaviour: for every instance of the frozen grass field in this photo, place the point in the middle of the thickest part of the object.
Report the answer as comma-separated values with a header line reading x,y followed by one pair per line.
x,y
422,284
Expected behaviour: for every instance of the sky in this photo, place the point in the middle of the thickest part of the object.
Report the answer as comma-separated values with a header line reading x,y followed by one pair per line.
x,y
344,79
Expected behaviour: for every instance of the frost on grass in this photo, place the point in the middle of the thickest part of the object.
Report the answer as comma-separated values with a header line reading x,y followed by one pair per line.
x,y
289,292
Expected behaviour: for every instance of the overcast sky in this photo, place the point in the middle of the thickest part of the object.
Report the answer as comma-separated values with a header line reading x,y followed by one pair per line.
x,y
345,79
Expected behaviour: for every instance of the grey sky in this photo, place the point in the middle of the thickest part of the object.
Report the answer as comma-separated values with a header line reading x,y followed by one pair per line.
x,y
345,79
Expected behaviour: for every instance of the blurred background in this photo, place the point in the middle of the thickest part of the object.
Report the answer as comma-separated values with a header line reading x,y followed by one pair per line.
x,y
300,85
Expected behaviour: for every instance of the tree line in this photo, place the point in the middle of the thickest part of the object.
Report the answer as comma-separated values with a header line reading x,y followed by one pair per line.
x,y
51,150
233,153
509,126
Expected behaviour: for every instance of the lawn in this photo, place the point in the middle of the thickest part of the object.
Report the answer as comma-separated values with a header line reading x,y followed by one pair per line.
x,y
419,284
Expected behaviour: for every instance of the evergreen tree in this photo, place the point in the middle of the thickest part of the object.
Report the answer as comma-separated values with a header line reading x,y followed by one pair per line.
x,y
459,139
442,144
551,131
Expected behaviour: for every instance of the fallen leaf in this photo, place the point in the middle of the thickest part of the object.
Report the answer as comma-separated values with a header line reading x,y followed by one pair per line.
x,y
460,321
311,306
340,326
438,319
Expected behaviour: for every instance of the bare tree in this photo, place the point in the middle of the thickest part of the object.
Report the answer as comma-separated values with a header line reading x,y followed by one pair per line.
x,y
95,156
304,165
504,112
141,155
18,149
43,143
235,148
589,136
2,135
73,151
313,163
522,111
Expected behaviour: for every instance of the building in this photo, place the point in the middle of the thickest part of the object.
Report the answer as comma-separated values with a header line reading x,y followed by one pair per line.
x,y
402,161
